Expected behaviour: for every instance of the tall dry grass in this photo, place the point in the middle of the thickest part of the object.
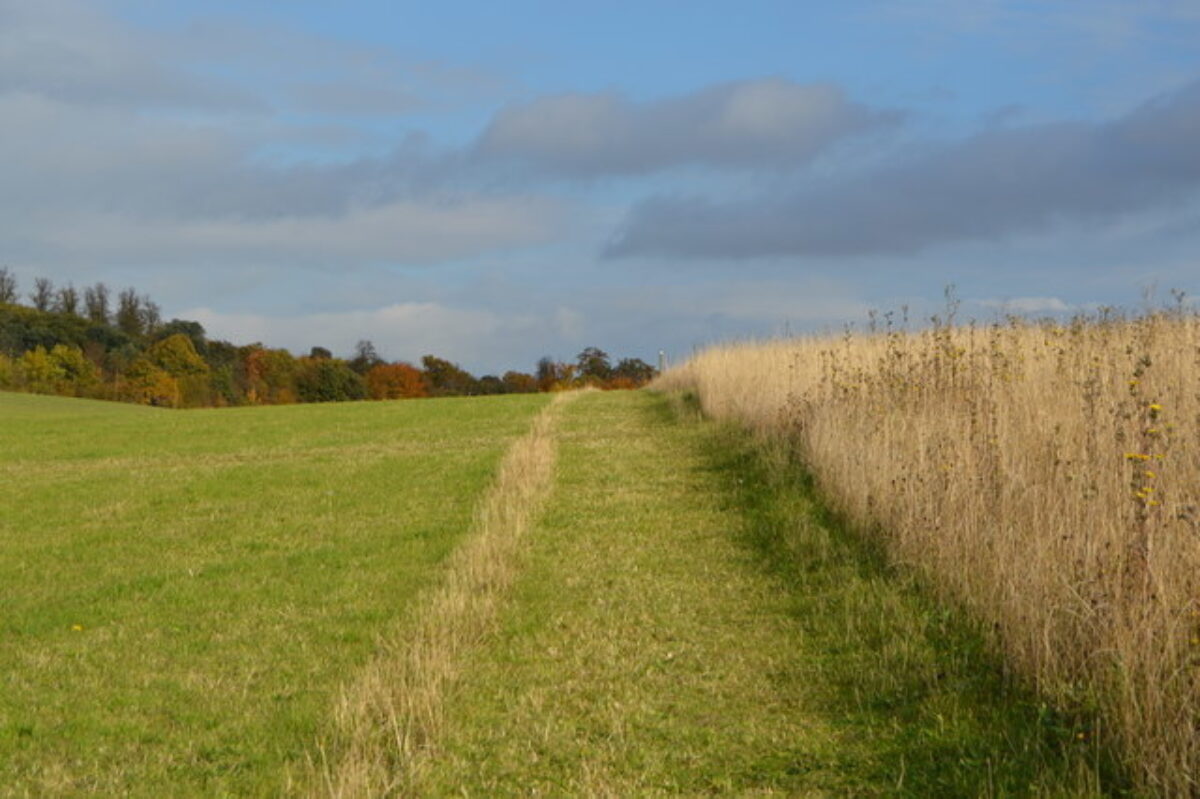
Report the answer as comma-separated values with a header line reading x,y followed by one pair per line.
x,y
1045,475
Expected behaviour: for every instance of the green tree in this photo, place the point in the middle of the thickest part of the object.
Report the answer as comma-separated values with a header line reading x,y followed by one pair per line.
x,y
95,303
519,383
593,363
635,370
177,356
67,300
129,313
193,330
80,377
447,379
490,384
8,286
39,372
42,295
227,373
328,380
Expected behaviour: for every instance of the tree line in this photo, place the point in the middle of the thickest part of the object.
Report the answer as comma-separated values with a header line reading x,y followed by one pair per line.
x,y
102,344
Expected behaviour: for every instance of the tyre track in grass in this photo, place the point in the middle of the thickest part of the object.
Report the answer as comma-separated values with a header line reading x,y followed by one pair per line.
x,y
644,653
389,718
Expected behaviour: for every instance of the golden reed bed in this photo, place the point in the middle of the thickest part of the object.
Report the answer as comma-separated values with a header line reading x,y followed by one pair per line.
x,y
1045,475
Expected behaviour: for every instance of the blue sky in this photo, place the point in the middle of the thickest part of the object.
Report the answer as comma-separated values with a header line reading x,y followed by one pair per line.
x,y
497,182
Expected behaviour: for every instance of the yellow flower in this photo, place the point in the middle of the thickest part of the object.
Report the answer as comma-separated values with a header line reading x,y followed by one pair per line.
x,y
77,628
1150,475
1155,407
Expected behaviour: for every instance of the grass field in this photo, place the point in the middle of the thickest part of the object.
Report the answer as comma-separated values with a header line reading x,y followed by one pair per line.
x,y
183,593
487,597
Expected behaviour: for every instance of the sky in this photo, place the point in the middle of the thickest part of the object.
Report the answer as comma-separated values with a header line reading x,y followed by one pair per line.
x,y
497,182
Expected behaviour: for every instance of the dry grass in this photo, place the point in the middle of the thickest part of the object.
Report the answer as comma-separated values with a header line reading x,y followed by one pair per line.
x,y
388,720
1045,475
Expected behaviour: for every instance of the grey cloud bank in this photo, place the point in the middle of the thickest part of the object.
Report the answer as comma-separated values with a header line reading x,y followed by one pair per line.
x,y
990,185
768,123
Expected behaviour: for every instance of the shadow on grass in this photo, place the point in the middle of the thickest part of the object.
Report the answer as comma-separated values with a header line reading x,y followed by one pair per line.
x,y
921,703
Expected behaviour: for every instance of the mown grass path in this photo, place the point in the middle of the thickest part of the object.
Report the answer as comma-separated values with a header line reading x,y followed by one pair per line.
x,y
687,623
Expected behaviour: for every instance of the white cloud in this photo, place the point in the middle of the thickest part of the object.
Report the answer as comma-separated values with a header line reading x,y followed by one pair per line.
x,y
1028,305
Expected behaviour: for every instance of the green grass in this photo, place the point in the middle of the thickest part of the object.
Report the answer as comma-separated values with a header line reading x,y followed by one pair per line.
x,y
229,570
183,594
691,622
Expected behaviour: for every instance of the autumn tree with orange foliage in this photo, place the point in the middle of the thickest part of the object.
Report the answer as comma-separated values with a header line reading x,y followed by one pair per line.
x,y
270,376
395,381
